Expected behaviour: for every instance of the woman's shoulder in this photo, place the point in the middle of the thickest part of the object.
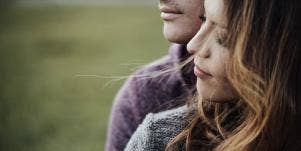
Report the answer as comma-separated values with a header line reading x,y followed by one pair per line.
x,y
158,129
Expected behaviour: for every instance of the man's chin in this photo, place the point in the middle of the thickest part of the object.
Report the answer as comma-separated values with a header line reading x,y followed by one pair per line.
x,y
176,33
176,38
177,41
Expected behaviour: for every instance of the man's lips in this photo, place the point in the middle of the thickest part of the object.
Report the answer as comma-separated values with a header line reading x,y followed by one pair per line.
x,y
165,9
169,14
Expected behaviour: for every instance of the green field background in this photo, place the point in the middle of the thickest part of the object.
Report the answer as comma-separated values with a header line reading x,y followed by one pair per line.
x,y
60,68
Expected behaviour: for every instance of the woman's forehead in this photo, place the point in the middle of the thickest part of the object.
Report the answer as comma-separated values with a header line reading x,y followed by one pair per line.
x,y
215,12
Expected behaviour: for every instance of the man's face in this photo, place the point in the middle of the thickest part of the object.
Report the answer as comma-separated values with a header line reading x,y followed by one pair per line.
x,y
181,19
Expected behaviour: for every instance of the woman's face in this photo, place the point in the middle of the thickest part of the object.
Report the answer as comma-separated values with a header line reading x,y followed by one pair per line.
x,y
212,55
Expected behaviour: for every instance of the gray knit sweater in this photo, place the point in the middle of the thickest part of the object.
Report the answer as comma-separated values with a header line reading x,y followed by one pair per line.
x,y
158,129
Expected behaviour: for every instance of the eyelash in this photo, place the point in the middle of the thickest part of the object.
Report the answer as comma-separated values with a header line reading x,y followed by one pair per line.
x,y
203,17
221,39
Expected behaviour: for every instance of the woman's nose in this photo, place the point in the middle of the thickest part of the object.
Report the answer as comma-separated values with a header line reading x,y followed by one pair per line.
x,y
194,44
197,43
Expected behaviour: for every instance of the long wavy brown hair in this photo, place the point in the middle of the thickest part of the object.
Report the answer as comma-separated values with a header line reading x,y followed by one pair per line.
x,y
265,71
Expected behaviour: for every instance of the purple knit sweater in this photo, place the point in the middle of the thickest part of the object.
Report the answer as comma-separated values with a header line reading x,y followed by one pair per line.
x,y
140,96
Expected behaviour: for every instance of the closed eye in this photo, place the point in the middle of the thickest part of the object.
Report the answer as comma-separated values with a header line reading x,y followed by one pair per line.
x,y
221,38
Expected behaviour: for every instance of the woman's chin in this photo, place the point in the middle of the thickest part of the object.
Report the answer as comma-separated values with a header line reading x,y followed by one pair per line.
x,y
214,97
219,94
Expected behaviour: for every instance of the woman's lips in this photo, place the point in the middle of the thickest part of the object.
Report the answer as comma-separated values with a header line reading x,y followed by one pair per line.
x,y
168,14
201,73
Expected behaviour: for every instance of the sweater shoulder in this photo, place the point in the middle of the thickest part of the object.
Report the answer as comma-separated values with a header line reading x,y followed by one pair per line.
x,y
171,117
157,130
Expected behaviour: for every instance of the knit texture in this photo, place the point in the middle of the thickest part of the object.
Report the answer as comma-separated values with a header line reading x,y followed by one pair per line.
x,y
157,130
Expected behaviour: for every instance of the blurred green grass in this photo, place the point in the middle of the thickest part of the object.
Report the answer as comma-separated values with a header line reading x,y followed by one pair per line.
x,y
45,105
